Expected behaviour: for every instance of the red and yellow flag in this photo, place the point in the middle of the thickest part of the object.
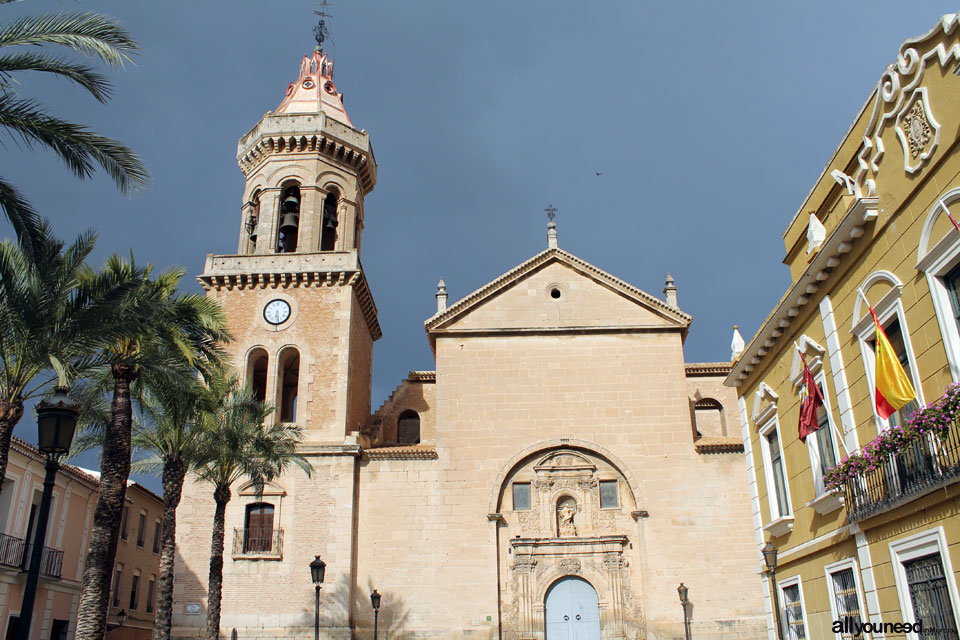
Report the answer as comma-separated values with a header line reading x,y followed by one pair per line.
x,y
893,388
810,400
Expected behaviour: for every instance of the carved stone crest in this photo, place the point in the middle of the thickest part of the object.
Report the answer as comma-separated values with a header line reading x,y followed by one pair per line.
x,y
917,130
569,565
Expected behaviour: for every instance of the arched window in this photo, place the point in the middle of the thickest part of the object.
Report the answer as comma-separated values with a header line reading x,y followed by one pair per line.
x,y
258,528
328,228
408,427
289,218
288,383
257,374
709,418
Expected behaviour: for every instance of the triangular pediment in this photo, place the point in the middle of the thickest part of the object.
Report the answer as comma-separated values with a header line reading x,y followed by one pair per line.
x,y
556,291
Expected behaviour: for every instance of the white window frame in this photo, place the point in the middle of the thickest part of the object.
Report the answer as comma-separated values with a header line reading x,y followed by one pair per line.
x,y
917,546
828,571
778,520
781,585
935,263
887,308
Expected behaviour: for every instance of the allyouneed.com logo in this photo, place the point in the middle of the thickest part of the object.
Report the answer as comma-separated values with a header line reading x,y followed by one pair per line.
x,y
847,625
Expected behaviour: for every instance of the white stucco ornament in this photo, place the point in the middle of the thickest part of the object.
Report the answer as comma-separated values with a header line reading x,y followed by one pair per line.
x,y
816,233
917,130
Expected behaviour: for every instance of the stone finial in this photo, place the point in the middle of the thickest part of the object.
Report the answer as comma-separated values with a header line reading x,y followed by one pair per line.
x,y
441,296
737,345
670,292
551,227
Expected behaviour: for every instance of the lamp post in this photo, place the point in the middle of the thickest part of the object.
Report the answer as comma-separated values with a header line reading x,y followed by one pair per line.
x,y
56,422
375,601
770,558
682,591
121,618
317,568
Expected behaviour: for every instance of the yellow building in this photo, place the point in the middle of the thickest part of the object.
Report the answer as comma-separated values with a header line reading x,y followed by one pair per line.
x,y
881,548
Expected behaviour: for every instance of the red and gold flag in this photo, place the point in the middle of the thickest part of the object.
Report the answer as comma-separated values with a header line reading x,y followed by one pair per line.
x,y
893,387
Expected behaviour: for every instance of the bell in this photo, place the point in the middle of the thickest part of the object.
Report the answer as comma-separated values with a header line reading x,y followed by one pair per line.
x,y
253,239
331,223
289,222
291,204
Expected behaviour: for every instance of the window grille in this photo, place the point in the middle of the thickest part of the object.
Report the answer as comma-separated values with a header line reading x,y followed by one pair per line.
x,y
931,598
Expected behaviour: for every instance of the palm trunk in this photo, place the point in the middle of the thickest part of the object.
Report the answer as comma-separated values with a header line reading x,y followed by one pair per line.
x,y
174,472
215,586
114,471
10,413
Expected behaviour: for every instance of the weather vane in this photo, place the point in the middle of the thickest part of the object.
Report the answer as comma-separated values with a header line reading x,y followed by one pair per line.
x,y
320,32
551,212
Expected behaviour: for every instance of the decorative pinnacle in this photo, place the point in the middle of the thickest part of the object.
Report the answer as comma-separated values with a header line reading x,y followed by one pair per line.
x,y
551,227
441,296
321,32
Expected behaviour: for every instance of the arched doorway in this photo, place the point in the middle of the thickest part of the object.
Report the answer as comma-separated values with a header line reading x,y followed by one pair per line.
x,y
572,610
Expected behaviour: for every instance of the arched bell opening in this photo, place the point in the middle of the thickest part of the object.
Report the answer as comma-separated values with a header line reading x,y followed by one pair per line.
x,y
289,229
251,221
257,373
287,384
408,427
329,222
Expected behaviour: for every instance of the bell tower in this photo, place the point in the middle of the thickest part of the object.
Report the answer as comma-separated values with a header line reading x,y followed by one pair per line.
x,y
303,322
295,294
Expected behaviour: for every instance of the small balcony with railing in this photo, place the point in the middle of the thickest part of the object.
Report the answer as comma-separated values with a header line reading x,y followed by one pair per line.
x,y
15,554
257,544
904,463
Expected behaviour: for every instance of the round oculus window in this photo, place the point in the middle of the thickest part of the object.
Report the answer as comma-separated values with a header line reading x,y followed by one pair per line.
x,y
276,311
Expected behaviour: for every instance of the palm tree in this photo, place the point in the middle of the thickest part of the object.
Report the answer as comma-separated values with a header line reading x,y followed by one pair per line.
x,y
164,330
236,445
164,428
28,122
53,312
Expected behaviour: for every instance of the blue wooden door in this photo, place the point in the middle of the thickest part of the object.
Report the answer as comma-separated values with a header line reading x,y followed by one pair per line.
x,y
572,611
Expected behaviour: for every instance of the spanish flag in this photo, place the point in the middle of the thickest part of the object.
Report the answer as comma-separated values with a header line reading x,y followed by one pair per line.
x,y
893,388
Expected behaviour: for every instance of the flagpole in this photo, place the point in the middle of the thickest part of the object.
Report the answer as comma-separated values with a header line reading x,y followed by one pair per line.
x,y
955,225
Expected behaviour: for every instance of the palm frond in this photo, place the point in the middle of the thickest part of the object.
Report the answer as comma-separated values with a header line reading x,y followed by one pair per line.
x,y
83,75
88,33
22,216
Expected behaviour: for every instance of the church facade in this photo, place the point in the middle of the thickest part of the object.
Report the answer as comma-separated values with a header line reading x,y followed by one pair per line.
x,y
559,474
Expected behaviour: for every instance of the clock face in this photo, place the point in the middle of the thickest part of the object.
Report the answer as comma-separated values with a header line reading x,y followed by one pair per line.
x,y
276,312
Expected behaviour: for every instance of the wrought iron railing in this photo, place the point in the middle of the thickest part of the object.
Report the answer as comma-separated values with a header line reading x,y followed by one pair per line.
x,y
927,463
257,542
14,552
11,551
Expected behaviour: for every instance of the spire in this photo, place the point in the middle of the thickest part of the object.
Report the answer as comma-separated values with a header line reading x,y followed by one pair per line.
x,y
441,296
670,292
314,90
551,227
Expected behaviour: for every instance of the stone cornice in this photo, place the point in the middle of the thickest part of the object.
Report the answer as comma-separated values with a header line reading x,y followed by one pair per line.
x,y
719,444
308,134
28,450
707,368
293,270
833,254
407,452
422,376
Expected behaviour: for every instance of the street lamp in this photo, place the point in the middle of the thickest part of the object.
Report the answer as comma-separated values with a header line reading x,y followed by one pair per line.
x,y
682,591
770,558
121,618
375,601
317,568
56,422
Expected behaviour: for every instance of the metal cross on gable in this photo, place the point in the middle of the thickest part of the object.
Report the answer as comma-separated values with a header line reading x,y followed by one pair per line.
x,y
551,212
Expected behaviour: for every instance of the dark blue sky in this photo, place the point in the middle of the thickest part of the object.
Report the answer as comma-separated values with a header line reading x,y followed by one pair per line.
x,y
709,120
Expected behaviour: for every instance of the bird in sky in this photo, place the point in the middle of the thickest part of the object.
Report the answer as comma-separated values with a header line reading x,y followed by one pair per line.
x,y
599,173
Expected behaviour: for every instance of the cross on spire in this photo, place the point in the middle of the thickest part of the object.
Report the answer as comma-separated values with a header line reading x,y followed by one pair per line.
x,y
321,32
551,227
551,212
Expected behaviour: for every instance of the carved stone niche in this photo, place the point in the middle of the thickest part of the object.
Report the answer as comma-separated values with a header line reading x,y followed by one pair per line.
x,y
565,483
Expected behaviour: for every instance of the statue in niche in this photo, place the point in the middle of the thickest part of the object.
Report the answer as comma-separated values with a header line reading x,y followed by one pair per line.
x,y
566,511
